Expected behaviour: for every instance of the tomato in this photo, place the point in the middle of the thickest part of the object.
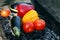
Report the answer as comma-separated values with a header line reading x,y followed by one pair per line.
x,y
39,24
23,9
28,27
5,13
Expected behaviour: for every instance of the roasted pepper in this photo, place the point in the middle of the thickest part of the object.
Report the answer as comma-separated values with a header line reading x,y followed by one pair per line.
x,y
23,9
31,16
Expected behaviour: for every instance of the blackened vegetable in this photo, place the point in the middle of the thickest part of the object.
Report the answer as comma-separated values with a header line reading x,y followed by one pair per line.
x,y
16,21
16,25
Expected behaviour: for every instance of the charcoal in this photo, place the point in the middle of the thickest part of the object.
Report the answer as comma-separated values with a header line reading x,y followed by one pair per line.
x,y
46,34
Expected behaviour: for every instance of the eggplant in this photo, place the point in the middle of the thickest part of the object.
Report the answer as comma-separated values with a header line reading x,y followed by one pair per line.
x,y
15,23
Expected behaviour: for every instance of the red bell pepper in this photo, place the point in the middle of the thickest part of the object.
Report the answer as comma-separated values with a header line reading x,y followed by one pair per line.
x,y
23,9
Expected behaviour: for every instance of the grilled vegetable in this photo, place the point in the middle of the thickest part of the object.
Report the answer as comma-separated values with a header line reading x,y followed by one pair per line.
x,y
39,24
16,25
23,9
5,13
31,16
28,27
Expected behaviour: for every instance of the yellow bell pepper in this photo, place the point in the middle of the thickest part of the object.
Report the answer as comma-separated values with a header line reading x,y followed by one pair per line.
x,y
30,16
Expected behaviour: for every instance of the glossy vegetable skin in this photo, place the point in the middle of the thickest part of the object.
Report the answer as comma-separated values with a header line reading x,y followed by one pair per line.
x,y
16,21
39,24
23,9
16,25
5,13
28,27
31,16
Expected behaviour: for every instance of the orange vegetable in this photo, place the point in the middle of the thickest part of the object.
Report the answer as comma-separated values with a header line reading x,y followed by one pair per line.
x,y
5,13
